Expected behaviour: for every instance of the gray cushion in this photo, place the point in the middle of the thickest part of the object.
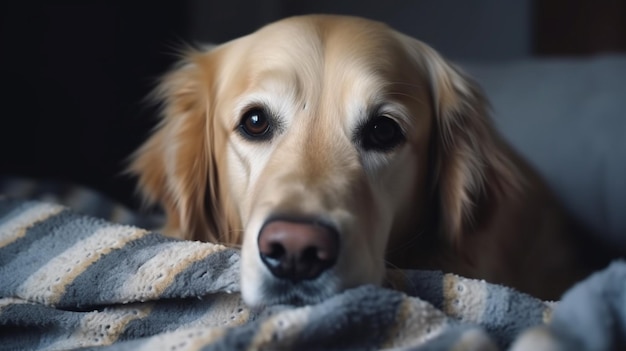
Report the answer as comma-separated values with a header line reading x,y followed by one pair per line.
x,y
566,116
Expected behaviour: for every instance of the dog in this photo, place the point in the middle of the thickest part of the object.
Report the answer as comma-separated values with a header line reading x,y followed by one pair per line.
x,y
332,147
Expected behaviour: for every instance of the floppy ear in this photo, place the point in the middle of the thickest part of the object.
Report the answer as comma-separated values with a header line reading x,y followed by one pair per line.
x,y
473,164
176,167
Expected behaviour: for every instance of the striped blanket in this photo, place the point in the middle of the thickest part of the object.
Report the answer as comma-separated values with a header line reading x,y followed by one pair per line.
x,y
70,281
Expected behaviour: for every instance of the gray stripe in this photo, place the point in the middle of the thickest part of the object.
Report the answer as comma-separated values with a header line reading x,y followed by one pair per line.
x,y
376,310
167,315
35,326
427,285
101,282
17,249
219,271
42,242
502,304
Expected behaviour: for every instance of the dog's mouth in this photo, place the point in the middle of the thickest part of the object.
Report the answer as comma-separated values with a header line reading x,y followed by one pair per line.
x,y
308,292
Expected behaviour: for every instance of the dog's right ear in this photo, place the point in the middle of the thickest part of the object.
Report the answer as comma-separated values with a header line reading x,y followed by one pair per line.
x,y
176,166
473,168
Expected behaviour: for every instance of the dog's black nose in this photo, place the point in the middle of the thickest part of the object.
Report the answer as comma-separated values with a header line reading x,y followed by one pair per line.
x,y
298,250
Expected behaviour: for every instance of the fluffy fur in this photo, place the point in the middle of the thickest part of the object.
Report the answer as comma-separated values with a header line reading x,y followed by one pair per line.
x,y
451,196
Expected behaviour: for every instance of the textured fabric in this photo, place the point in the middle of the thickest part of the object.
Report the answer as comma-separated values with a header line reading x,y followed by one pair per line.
x,y
590,317
71,281
74,281
81,199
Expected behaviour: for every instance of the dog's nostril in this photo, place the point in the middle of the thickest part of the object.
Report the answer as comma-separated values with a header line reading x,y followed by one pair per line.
x,y
274,256
276,251
310,254
297,250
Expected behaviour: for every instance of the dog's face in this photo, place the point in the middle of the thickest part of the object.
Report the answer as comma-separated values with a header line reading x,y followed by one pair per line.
x,y
310,143
328,141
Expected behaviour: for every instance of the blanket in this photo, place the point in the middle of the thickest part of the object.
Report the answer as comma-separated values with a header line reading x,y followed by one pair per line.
x,y
71,281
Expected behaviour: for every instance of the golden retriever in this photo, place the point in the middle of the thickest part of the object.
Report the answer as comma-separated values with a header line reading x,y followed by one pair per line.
x,y
330,147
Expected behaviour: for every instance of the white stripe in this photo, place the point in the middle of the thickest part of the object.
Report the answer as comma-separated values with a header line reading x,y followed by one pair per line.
x,y
416,322
101,328
47,285
156,274
17,226
464,298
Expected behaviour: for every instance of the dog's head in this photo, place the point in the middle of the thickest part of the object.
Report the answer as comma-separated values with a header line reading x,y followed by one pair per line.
x,y
317,143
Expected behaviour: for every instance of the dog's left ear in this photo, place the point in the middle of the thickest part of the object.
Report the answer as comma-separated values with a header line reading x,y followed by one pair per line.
x,y
473,167
177,166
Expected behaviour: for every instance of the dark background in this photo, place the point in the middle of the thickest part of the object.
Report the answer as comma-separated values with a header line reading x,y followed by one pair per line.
x,y
73,76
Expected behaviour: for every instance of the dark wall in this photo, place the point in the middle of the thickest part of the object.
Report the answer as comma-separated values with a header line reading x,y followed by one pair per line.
x,y
72,83
579,27
464,30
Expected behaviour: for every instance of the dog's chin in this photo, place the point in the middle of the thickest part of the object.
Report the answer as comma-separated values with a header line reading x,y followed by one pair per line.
x,y
274,291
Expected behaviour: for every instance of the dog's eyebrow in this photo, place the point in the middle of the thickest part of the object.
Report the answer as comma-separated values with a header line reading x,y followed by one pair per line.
x,y
263,93
389,108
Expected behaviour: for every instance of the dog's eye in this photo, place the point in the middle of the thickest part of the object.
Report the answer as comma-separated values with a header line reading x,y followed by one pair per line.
x,y
255,124
382,134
